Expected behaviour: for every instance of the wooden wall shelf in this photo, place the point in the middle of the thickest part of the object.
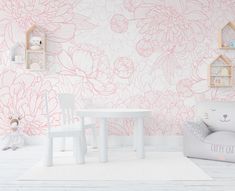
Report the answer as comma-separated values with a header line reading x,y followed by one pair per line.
x,y
227,37
35,52
220,72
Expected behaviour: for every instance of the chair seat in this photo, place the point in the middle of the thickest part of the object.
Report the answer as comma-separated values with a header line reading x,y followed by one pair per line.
x,y
71,130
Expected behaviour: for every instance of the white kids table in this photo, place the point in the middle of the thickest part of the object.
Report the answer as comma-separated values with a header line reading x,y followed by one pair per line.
x,y
104,114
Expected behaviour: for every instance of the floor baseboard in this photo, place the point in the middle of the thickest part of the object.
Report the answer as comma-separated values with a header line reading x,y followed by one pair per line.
x,y
173,141
161,142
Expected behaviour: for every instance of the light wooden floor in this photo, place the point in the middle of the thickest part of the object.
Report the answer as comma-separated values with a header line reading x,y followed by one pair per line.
x,y
13,164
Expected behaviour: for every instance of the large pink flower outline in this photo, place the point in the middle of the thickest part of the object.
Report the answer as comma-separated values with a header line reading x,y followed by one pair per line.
x,y
131,5
124,67
173,32
169,113
91,68
119,23
23,95
196,85
168,28
57,18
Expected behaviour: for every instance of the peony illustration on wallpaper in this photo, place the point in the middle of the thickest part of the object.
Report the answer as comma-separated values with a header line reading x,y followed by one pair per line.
x,y
22,95
122,53
57,17
91,68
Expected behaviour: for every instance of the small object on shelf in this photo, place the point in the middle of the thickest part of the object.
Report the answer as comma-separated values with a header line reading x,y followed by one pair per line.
x,y
225,44
17,54
220,72
35,52
232,43
224,72
227,36
35,43
217,81
18,58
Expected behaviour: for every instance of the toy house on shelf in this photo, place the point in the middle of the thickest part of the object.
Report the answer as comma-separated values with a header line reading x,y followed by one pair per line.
x,y
221,72
35,52
227,36
17,54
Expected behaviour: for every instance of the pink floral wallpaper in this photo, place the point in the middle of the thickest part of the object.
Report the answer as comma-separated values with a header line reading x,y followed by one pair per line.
x,y
121,53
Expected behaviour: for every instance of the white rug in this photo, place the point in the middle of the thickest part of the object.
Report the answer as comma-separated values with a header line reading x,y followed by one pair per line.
x,y
121,166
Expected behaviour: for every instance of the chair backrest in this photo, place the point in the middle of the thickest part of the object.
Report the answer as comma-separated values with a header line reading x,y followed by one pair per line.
x,y
67,105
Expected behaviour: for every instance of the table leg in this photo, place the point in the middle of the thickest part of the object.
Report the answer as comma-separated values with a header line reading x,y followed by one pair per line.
x,y
49,152
83,136
103,141
78,150
62,144
134,135
140,138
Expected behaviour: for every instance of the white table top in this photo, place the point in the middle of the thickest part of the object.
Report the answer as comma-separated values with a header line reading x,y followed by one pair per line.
x,y
114,113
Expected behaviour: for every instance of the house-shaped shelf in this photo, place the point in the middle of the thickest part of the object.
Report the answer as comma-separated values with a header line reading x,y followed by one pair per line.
x,y
35,52
227,36
220,72
17,54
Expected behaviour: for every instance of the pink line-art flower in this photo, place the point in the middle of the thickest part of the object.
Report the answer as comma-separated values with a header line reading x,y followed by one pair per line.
x,y
145,47
196,85
173,32
184,87
219,12
119,23
90,66
169,28
23,95
131,5
124,67
57,18
168,113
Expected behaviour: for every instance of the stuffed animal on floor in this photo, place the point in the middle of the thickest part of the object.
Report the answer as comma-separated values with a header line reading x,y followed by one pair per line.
x,y
15,138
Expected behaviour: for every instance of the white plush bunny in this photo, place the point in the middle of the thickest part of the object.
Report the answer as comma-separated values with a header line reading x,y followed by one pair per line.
x,y
35,43
15,138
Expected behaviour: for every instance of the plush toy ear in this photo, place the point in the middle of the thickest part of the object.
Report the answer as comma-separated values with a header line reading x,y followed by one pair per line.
x,y
19,118
10,117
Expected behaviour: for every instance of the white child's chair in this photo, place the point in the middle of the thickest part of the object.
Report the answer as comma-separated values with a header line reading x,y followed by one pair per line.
x,y
68,101
68,129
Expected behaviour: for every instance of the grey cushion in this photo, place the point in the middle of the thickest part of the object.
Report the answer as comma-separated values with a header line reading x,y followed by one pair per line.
x,y
213,135
221,137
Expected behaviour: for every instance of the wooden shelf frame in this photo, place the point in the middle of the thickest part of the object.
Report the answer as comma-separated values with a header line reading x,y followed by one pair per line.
x,y
220,39
212,77
29,52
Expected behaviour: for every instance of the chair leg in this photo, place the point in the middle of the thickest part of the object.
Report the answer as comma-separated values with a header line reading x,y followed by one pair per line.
x,y
49,154
134,137
94,137
140,138
74,146
62,146
78,150
83,140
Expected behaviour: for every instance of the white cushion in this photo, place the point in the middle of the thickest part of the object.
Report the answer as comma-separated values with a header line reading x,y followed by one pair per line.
x,y
219,116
